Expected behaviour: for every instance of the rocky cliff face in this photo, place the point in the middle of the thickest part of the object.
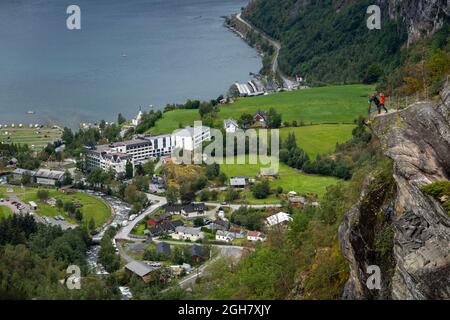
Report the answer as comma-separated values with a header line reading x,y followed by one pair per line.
x,y
421,17
395,226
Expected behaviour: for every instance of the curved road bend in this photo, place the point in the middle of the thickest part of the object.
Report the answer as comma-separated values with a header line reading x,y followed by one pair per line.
x,y
124,232
276,44
227,250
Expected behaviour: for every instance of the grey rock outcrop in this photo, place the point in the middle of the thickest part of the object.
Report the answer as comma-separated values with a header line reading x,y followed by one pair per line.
x,y
421,17
417,139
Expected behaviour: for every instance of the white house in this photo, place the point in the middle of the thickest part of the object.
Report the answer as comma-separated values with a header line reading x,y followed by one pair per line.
x,y
136,121
224,236
230,125
238,182
255,236
193,210
187,233
280,217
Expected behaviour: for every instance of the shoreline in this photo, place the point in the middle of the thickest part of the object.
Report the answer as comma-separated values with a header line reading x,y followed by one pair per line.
x,y
25,119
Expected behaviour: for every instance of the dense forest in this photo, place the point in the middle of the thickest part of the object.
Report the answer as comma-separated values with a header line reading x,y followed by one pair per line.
x,y
328,41
34,258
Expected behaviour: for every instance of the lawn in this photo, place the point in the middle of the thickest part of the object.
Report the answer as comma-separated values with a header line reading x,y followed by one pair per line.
x,y
5,212
319,139
289,179
171,121
92,207
139,229
333,104
39,137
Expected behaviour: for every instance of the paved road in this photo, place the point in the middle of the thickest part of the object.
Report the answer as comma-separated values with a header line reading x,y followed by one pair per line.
x,y
123,254
276,44
225,250
124,232
237,206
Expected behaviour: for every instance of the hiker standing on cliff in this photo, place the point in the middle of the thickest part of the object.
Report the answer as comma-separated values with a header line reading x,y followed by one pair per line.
x,y
382,100
377,103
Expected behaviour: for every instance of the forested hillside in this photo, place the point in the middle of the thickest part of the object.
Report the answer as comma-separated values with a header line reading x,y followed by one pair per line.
x,y
328,41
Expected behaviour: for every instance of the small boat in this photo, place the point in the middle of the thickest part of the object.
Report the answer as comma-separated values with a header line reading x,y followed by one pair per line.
x,y
124,55
30,112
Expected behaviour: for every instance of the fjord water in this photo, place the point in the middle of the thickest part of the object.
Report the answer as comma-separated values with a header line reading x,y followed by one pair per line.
x,y
128,54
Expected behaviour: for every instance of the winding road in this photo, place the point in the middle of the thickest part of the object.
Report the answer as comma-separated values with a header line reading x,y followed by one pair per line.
x,y
157,203
124,232
276,44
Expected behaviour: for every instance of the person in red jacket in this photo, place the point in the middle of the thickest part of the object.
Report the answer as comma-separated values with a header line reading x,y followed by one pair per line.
x,y
382,99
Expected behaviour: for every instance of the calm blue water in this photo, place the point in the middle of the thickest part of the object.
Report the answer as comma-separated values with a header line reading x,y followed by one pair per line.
x,y
175,49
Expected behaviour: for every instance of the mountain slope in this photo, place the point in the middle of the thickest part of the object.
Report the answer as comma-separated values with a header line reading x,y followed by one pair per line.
x,y
410,229
329,42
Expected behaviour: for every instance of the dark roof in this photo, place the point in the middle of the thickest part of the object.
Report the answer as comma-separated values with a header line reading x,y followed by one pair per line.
x,y
163,247
138,268
261,114
188,208
174,208
221,223
196,250
162,217
194,207
166,226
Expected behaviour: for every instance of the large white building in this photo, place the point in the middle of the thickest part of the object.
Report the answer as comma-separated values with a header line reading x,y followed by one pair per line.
x,y
190,138
115,156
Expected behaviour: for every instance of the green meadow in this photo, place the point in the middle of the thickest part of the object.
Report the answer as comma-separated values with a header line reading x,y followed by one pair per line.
x,y
332,111
319,139
172,120
37,137
91,207
5,212
332,104
288,178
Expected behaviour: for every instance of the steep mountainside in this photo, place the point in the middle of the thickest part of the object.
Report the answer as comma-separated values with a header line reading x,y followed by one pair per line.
x,y
421,17
409,228
328,40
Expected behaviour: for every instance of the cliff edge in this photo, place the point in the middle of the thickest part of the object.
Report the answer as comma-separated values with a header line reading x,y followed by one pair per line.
x,y
395,225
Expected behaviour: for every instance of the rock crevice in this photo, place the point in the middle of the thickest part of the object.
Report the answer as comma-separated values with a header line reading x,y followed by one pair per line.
x,y
417,139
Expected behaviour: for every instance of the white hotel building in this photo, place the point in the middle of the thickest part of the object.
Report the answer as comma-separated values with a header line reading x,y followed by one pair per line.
x,y
115,156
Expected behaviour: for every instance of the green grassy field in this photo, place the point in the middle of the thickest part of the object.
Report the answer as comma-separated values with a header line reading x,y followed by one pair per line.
x,y
139,229
31,136
91,206
5,212
333,104
172,120
288,178
319,139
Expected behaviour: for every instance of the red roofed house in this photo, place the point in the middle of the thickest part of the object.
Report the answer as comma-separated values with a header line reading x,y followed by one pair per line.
x,y
255,236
